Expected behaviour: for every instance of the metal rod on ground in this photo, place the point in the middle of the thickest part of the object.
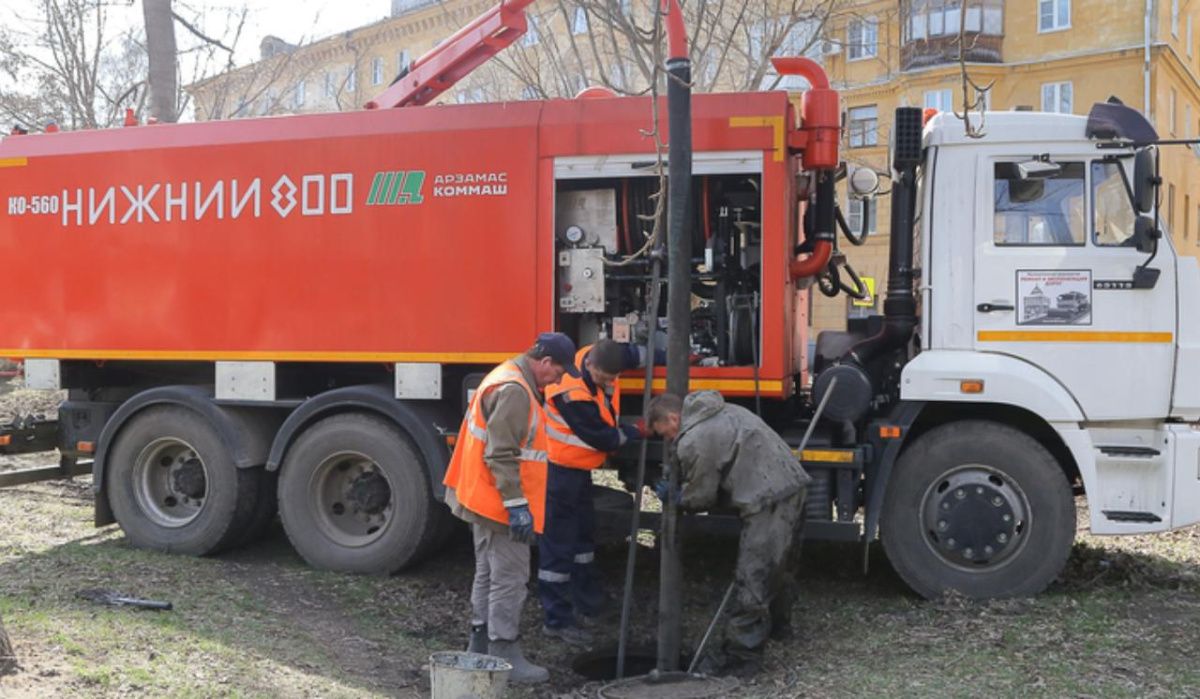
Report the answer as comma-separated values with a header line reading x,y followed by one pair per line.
x,y
635,519
712,627
679,312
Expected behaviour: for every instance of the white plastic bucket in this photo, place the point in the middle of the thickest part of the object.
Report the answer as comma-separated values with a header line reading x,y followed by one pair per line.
x,y
462,675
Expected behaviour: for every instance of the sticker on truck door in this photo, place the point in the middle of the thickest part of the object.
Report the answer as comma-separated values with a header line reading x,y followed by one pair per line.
x,y
1054,297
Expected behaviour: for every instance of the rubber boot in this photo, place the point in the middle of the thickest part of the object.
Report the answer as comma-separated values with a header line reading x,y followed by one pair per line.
x,y
523,672
479,639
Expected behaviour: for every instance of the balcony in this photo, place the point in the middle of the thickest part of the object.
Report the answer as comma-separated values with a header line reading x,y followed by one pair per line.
x,y
940,50
930,28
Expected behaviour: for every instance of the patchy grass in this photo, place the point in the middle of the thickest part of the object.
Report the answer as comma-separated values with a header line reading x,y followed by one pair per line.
x,y
1121,622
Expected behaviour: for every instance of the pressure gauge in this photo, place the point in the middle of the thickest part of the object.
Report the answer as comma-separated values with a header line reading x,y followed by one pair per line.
x,y
573,234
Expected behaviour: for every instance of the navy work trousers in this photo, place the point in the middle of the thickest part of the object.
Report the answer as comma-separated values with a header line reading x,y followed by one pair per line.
x,y
567,580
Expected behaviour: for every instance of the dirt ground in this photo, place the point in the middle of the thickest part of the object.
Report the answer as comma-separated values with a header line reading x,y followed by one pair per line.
x,y
1122,621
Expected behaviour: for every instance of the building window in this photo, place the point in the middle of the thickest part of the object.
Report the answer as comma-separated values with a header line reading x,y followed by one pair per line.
x,y
985,100
1175,18
863,38
1187,213
579,25
941,100
329,84
854,212
1170,208
1189,37
351,79
1171,121
616,75
298,95
402,61
531,34
1054,15
935,18
376,71
863,126
1057,97
471,96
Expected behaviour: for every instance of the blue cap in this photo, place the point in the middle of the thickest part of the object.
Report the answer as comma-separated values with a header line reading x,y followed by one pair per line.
x,y
561,349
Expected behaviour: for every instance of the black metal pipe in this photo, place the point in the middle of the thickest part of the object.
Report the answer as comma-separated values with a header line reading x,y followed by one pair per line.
x,y
825,207
900,306
679,327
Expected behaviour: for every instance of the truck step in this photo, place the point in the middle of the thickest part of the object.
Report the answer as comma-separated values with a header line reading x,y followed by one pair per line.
x,y
1146,452
1125,516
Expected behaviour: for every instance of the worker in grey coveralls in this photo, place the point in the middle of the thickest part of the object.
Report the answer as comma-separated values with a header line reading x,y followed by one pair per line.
x,y
728,456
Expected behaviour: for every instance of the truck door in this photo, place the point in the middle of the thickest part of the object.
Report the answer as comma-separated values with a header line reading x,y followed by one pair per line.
x,y
1054,262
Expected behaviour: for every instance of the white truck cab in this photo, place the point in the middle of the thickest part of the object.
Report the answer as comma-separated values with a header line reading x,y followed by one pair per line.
x,y
1029,258
1036,343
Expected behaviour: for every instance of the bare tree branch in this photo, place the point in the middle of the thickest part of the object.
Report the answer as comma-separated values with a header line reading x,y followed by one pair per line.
x,y
199,34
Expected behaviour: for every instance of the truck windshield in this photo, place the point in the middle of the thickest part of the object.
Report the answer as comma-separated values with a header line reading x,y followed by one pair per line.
x,y
1039,211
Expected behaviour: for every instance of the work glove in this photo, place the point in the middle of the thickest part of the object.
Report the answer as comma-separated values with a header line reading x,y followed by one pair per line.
x,y
520,525
663,490
642,428
630,433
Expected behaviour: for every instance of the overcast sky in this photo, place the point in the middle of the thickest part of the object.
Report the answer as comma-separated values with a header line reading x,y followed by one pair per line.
x,y
295,20
291,20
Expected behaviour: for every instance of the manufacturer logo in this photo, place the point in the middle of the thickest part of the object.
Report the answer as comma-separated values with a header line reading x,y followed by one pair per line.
x,y
397,187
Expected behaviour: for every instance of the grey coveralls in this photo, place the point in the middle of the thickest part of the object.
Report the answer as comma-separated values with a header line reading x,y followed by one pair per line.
x,y
727,455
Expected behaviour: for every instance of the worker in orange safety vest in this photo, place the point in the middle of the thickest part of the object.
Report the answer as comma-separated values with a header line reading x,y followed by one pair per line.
x,y
582,429
496,481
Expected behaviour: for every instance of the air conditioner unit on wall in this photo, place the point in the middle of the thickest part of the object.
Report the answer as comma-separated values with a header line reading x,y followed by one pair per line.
x,y
830,48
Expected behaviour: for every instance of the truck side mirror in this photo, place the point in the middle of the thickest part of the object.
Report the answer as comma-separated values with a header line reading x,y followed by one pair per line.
x,y
1145,181
1145,235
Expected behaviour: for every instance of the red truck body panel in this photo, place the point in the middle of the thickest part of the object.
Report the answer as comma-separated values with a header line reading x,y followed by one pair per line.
x,y
383,235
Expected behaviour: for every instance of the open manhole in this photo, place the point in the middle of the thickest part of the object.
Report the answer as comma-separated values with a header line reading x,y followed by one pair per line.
x,y
601,664
641,682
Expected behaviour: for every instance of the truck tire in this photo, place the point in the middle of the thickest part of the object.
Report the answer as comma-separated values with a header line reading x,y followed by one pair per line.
x,y
266,508
355,497
174,487
979,508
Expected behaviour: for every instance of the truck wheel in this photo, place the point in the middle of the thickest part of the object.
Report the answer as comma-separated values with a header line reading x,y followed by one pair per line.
x,y
354,496
979,508
174,487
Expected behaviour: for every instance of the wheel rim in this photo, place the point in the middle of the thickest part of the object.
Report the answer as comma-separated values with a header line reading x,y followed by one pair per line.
x,y
170,482
975,518
352,498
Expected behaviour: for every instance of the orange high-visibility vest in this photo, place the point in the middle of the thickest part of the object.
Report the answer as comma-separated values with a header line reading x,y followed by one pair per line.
x,y
468,473
566,449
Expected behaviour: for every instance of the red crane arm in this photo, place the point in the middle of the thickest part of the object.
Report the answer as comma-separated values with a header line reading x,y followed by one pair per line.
x,y
452,60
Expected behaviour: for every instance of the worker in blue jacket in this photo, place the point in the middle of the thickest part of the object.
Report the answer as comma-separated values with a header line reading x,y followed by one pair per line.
x,y
583,429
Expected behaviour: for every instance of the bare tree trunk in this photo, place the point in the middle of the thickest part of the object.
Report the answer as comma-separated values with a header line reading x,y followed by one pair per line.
x,y
8,659
160,50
